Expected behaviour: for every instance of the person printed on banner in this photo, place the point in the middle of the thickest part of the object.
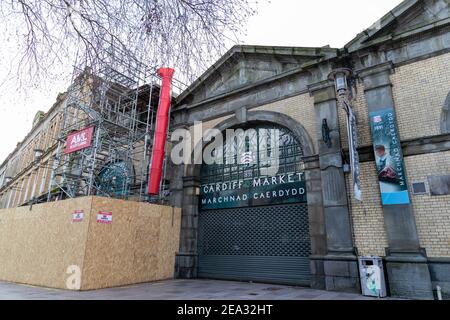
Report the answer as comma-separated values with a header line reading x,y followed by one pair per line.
x,y
384,165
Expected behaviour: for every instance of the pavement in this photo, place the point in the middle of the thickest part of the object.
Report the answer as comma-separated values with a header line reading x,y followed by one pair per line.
x,y
178,289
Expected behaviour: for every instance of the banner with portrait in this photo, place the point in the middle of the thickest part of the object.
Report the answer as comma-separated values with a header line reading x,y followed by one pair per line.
x,y
388,157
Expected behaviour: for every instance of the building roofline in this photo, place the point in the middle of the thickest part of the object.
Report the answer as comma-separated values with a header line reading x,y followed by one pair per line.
x,y
313,52
381,23
59,99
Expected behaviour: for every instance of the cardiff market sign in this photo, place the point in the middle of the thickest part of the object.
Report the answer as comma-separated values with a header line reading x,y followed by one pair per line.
x,y
259,191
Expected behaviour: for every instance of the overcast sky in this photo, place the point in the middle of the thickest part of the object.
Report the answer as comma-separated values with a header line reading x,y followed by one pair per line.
x,y
302,23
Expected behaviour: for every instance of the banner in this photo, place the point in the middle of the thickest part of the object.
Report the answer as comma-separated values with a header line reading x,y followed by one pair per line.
x,y
79,140
388,157
353,151
281,189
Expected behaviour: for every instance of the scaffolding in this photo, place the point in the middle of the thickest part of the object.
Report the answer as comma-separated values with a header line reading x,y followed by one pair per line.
x,y
119,100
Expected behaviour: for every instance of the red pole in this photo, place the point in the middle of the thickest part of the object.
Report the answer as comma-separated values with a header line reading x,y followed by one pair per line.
x,y
162,122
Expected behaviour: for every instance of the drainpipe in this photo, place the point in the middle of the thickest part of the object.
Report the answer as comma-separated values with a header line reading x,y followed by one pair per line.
x,y
162,122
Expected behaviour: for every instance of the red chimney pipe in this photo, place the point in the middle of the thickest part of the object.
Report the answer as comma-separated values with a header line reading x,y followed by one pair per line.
x,y
162,122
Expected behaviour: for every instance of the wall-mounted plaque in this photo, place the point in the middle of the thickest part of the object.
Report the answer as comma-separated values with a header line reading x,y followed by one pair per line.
x,y
439,185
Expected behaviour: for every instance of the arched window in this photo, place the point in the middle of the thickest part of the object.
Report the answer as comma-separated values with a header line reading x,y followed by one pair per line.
x,y
234,167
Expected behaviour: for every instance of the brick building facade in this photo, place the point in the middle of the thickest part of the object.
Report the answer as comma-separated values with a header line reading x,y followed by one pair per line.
x,y
26,173
402,62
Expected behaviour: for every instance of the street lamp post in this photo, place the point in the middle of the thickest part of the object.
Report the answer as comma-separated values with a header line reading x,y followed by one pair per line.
x,y
340,78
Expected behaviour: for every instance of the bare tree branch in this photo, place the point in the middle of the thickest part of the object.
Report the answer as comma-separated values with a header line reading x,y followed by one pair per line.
x,y
186,34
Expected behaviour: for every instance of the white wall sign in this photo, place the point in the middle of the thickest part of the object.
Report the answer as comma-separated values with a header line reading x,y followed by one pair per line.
x,y
77,216
104,217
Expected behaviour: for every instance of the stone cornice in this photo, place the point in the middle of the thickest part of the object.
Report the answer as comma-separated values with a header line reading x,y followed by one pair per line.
x,y
379,68
410,147
322,91
322,85
32,165
243,90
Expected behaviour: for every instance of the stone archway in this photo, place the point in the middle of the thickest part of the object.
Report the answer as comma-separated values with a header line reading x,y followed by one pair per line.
x,y
257,117
187,256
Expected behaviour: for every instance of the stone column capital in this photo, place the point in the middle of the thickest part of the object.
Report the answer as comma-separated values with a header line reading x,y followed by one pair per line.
x,y
311,162
376,76
322,91
372,70
191,182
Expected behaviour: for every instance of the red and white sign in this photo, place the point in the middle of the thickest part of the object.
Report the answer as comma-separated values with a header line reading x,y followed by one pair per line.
x,y
79,140
104,217
77,216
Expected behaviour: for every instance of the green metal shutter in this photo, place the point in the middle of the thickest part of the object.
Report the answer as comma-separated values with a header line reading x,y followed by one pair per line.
x,y
262,244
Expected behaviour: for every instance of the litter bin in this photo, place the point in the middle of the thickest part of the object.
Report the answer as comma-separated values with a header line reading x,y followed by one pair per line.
x,y
371,272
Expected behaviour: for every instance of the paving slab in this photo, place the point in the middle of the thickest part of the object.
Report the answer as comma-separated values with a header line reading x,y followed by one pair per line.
x,y
178,289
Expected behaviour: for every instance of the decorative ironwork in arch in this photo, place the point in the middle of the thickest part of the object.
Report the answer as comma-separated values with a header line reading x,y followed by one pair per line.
x,y
289,156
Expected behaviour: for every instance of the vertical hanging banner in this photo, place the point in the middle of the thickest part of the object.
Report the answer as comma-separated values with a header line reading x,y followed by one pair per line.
x,y
388,157
354,156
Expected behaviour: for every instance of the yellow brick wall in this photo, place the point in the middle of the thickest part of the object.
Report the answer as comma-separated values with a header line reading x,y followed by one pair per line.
x,y
367,215
432,213
420,90
299,108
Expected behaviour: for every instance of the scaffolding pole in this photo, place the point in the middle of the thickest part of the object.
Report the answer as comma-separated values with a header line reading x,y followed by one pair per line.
x,y
118,99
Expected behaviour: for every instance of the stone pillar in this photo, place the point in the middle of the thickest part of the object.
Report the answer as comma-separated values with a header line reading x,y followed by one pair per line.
x,y
186,258
340,262
176,185
406,262
316,215
176,172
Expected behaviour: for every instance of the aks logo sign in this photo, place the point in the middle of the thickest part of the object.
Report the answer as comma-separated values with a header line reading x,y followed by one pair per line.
x,y
79,140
